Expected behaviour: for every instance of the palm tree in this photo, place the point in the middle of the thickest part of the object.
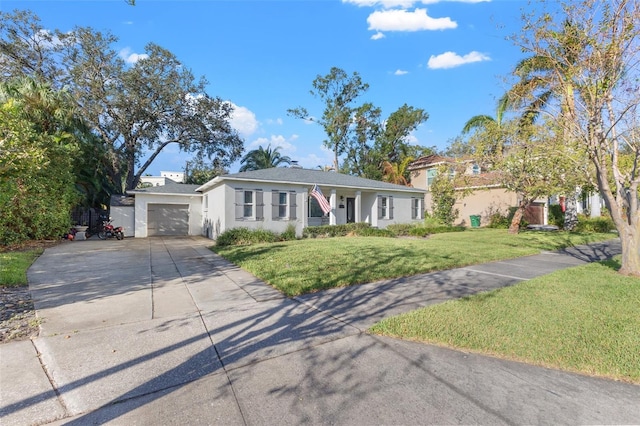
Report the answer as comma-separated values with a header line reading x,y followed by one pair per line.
x,y
480,122
396,172
540,76
261,158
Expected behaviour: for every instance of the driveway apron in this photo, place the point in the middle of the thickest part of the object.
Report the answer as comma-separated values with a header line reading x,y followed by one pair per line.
x,y
164,331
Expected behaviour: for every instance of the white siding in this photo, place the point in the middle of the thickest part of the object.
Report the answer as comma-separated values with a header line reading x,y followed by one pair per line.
x,y
143,200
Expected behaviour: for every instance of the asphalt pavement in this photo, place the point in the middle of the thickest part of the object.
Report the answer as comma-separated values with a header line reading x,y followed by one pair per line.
x,y
164,331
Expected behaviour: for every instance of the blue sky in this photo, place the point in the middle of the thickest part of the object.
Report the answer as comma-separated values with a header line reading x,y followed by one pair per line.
x,y
448,57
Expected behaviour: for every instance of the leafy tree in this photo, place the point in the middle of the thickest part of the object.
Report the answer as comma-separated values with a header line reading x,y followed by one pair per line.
x,y
37,154
602,72
393,140
361,156
443,196
28,49
339,92
527,157
133,109
262,158
197,172
146,107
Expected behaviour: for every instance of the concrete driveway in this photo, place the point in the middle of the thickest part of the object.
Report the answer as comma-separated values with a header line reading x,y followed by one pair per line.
x,y
163,331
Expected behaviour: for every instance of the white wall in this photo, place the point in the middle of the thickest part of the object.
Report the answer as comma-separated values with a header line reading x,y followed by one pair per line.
x,y
143,200
219,208
125,217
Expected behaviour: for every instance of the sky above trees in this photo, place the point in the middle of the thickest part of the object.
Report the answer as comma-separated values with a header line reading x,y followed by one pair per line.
x,y
446,57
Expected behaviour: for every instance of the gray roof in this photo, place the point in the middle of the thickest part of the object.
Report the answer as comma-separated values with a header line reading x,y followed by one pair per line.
x,y
308,177
169,188
122,201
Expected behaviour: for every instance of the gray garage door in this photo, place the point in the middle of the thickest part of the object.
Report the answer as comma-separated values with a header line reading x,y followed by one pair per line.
x,y
167,219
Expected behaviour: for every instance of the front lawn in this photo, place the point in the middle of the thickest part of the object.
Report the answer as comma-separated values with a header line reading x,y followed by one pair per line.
x,y
303,266
583,319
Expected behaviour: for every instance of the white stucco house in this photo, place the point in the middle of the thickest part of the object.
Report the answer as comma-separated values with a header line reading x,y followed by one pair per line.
x,y
272,199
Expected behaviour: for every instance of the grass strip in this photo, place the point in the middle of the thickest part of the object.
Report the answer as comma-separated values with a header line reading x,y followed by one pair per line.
x,y
583,319
308,265
14,265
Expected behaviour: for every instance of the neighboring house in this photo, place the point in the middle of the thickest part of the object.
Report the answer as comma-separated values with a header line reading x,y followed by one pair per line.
x,y
484,197
164,179
272,199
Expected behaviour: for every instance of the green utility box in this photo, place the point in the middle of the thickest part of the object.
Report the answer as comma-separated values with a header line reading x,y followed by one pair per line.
x,y
475,221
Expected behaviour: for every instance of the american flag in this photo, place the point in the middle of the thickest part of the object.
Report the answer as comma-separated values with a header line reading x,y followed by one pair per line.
x,y
324,204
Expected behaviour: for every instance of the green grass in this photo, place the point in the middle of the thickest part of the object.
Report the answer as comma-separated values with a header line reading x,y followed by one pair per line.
x,y
583,319
14,265
303,266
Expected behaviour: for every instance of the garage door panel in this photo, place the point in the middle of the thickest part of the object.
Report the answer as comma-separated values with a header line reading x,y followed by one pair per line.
x,y
167,219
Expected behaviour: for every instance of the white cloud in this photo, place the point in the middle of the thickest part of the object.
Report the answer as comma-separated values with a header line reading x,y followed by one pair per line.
x,y
131,58
383,3
377,36
388,4
403,20
314,161
285,144
243,120
400,72
127,22
277,121
452,60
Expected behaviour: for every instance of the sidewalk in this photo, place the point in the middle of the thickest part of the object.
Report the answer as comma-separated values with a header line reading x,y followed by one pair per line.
x,y
163,331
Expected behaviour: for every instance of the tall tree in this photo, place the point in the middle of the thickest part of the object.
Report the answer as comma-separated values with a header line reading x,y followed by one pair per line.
x,y
603,76
393,141
262,158
338,91
136,110
146,107
532,93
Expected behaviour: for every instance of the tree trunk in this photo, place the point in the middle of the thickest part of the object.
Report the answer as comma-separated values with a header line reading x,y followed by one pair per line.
x,y
517,218
570,213
630,261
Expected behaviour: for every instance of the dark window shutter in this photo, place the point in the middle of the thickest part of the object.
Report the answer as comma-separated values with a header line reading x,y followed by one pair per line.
x,y
390,207
292,205
413,209
239,203
275,204
259,205
380,207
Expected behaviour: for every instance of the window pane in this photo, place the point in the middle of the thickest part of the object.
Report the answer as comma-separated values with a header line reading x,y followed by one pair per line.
x,y
283,198
314,208
248,210
248,197
282,211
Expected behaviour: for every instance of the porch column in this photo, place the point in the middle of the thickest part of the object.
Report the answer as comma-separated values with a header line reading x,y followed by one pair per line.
x,y
333,202
358,206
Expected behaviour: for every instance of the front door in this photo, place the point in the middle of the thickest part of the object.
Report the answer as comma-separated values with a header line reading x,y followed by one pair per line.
x,y
351,210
